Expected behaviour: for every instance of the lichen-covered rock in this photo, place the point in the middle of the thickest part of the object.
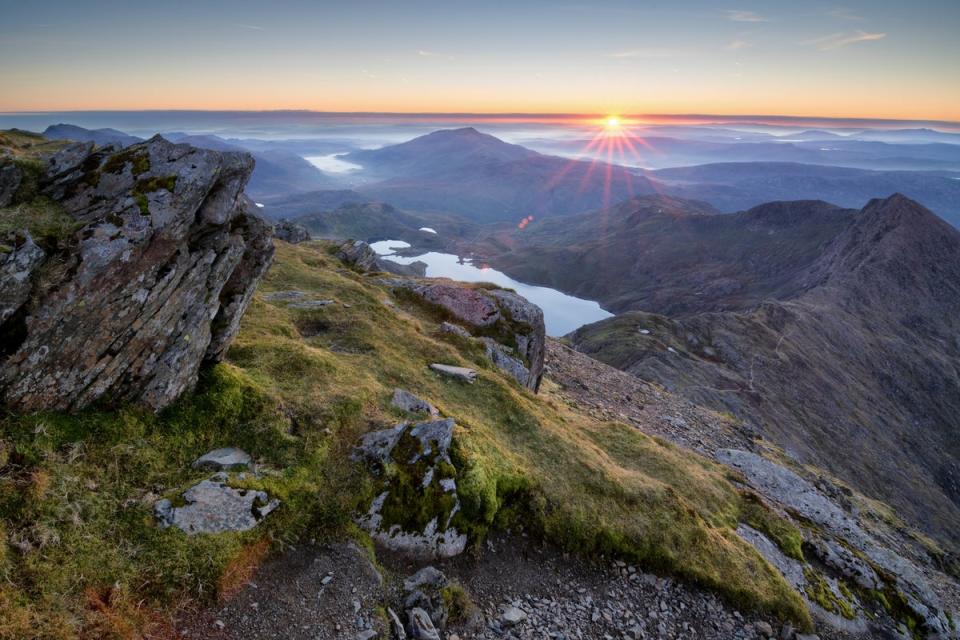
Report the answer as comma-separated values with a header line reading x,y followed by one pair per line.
x,y
213,506
16,270
506,318
291,232
416,499
165,259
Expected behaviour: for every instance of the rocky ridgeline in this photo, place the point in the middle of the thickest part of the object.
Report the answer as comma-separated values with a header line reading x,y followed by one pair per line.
x,y
161,258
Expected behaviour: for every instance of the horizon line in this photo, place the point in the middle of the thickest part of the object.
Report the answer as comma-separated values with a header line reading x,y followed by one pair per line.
x,y
708,118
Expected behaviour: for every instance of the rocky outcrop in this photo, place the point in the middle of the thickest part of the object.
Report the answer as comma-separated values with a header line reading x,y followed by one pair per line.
x,y
857,564
511,326
164,259
417,500
291,232
359,254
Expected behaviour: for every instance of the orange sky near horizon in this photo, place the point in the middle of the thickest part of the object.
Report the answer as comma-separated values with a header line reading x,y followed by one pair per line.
x,y
870,60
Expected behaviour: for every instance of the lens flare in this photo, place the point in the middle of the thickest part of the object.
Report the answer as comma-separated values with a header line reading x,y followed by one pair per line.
x,y
612,122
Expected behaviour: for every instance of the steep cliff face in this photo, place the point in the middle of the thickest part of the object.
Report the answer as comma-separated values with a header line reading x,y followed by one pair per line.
x,y
154,257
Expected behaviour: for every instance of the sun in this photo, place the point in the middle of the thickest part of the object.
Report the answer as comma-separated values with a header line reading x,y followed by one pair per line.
x,y
612,122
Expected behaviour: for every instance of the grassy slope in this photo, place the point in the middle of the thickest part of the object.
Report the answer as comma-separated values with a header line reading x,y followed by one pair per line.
x,y
299,388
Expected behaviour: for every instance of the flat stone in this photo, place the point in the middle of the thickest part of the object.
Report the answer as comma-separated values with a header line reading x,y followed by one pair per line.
x,y
225,459
460,373
212,506
283,296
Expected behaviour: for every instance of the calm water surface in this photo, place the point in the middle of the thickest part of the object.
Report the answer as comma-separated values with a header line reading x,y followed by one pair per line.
x,y
561,313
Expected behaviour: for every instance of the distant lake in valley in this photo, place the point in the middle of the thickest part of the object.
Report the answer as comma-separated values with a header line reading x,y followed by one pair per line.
x,y
332,163
561,313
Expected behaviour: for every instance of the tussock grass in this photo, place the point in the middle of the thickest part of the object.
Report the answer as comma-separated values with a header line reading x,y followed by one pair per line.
x,y
299,388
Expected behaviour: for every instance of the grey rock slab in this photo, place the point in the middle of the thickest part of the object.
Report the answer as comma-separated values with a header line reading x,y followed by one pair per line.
x,y
460,373
284,296
406,401
212,506
500,356
225,459
310,304
790,490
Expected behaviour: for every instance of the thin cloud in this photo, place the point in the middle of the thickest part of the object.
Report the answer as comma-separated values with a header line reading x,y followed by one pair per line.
x,y
433,54
745,16
838,40
736,45
250,27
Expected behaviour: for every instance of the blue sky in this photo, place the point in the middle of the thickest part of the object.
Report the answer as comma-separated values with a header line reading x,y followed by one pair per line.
x,y
872,59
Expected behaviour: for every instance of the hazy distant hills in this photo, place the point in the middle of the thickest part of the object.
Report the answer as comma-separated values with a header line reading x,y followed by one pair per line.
x,y
97,136
658,150
463,172
735,186
854,360
474,174
479,176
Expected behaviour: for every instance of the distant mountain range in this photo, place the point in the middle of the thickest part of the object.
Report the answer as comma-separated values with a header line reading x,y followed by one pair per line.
x,y
476,175
482,179
850,357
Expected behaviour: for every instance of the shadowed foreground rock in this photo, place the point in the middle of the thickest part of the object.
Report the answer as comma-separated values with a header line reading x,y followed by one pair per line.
x,y
149,282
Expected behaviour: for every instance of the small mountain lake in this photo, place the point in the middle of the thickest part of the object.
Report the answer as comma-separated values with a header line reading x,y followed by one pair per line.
x,y
561,313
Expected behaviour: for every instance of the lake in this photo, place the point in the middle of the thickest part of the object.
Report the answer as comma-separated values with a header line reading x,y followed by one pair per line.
x,y
561,313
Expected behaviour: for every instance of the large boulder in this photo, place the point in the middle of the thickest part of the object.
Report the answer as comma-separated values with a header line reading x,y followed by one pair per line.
x,y
291,232
165,258
511,326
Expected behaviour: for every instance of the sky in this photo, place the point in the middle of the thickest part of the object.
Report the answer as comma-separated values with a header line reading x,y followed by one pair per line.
x,y
873,59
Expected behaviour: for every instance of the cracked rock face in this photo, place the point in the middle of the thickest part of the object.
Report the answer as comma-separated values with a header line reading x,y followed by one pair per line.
x,y
165,260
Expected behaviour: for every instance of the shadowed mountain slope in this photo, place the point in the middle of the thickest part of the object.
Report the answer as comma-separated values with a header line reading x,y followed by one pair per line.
x,y
859,373
669,255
